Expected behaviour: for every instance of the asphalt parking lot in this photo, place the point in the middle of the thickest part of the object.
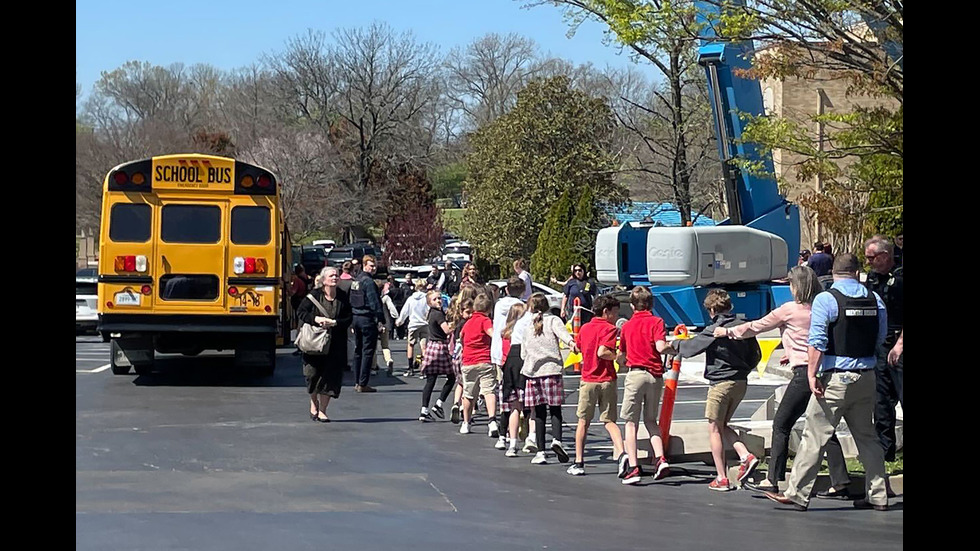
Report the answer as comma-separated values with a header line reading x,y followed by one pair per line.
x,y
199,456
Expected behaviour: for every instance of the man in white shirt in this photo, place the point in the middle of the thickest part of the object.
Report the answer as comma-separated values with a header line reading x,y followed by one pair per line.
x,y
520,268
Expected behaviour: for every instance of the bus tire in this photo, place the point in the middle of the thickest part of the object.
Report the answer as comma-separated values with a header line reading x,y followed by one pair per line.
x,y
117,369
143,368
266,370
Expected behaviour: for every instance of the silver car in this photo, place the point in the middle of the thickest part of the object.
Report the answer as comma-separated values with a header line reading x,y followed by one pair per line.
x,y
554,297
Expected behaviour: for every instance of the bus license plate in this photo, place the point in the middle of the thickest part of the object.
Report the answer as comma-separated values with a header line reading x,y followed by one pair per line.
x,y
249,298
127,298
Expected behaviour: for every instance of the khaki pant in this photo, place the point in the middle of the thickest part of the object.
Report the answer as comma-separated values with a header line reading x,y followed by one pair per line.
x,y
855,403
641,396
723,399
603,395
478,379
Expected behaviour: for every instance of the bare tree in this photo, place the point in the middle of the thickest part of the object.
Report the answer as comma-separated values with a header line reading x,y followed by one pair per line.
x,y
486,75
660,34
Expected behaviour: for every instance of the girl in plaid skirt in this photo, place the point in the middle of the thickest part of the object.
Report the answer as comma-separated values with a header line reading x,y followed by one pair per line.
x,y
543,367
436,359
511,391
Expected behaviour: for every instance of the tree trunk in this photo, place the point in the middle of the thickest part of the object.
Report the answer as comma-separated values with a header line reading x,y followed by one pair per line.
x,y
679,171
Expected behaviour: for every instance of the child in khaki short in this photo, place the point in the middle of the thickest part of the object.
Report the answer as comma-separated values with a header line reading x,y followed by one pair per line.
x,y
727,366
479,375
597,340
644,339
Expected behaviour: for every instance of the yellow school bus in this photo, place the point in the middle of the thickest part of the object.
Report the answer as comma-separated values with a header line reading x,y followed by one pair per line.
x,y
194,255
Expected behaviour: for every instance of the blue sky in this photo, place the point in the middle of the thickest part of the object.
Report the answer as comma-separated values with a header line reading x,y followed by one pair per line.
x,y
230,34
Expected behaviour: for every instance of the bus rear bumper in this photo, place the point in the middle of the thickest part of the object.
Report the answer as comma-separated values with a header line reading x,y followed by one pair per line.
x,y
180,323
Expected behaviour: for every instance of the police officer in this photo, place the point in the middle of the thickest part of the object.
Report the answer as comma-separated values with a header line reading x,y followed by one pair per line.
x,y
578,286
848,324
887,281
368,321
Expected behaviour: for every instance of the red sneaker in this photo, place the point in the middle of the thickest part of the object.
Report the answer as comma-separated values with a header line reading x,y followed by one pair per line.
x,y
663,469
720,485
633,476
746,467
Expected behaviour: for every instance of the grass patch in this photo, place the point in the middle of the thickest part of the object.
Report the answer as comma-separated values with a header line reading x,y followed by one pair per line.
x,y
452,220
853,465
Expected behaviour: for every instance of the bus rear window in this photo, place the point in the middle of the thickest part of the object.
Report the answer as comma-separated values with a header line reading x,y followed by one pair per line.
x,y
250,226
188,287
129,223
190,224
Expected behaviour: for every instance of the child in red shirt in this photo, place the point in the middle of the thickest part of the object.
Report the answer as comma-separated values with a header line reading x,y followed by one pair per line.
x,y
597,340
479,375
644,338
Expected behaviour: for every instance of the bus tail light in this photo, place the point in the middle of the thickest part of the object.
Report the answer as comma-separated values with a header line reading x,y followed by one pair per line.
x,y
133,176
268,308
233,291
146,290
109,304
130,263
250,265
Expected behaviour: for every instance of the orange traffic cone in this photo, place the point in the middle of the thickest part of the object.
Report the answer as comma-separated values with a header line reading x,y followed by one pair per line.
x,y
576,326
671,377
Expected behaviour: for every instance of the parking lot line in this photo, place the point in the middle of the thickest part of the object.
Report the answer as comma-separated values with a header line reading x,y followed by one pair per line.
x,y
96,370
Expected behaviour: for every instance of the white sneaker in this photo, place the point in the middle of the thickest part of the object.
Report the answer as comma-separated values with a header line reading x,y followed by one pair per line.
x,y
575,470
511,452
501,443
539,459
493,431
464,428
529,445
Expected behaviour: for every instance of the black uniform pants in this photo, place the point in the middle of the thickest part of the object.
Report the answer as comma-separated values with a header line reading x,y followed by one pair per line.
x,y
365,345
888,383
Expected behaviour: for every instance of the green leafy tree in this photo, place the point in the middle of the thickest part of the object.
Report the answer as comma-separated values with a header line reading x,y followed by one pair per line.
x,y
553,254
672,124
555,139
858,161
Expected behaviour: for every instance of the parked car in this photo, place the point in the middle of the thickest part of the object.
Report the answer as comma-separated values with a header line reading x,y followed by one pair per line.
x,y
339,255
420,271
327,244
554,297
313,258
86,302
457,250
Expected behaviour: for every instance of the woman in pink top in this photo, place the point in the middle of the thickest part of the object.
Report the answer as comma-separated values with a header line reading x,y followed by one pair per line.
x,y
793,321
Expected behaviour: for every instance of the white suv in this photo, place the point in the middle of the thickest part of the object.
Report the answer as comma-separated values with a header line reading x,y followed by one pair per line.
x,y
86,303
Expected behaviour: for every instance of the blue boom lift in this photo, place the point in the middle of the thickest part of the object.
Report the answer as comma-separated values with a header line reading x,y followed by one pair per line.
x,y
757,244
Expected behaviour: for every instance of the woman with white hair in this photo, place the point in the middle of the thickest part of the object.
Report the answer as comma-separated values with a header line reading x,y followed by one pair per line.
x,y
325,372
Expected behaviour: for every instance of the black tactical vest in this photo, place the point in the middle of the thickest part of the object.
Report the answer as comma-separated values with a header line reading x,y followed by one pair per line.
x,y
854,333
357,293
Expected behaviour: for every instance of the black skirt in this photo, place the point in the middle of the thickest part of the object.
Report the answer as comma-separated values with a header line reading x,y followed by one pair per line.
x,y
513,380
325,372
